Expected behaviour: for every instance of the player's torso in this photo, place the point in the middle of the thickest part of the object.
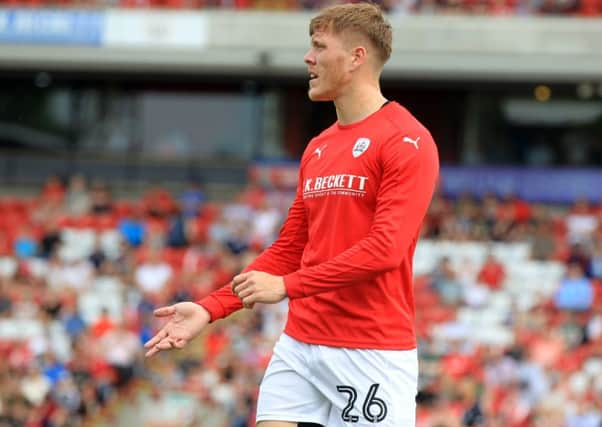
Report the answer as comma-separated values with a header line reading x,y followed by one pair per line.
x,y
341,176
341,169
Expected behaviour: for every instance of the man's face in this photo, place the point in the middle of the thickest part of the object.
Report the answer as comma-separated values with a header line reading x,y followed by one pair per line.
x,y
328,66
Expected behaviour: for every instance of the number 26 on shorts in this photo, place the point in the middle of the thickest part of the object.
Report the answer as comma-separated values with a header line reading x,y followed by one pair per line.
x,y
373,409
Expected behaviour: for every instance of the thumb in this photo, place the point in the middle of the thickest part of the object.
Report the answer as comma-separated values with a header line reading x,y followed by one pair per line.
x,y
165,311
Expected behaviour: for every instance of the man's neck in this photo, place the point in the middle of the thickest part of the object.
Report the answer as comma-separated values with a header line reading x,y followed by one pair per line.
x,y
359,103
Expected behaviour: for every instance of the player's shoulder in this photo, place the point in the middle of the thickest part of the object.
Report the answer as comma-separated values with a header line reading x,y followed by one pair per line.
x,y
321,137
317,140
400,122
326,133
405,135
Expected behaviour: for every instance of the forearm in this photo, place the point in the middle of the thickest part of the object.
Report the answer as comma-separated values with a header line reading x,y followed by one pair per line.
x,y
220,303
281,258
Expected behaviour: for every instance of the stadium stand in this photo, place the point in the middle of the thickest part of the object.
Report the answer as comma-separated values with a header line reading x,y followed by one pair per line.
x,y
464,7
509,309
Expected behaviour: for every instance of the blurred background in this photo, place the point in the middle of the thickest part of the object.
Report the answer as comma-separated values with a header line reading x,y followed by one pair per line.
x,y
149,150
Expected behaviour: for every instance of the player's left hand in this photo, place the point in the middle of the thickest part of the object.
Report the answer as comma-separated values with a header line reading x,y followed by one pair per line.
x,y
257,286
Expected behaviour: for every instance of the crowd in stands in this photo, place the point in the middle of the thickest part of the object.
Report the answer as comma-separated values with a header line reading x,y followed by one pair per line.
x,y
510,314
508,317
427,7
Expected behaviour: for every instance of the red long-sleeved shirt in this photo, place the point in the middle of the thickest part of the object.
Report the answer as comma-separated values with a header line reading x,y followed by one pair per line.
x,y
346,247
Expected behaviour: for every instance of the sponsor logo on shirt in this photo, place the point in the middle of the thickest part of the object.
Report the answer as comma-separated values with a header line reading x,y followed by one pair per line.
x,y
340,185
360,147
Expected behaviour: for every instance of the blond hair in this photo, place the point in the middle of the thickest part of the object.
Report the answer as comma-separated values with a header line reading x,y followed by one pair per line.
x,y
365,19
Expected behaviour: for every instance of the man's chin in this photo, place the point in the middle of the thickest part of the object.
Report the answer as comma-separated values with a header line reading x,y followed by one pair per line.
x,y
317,96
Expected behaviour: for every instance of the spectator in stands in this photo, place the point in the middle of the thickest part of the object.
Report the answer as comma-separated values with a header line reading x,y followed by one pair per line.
x,y
24,304
35,386
133,228
121,349
238,240
572,329
103,324
158,203
445,282
98,257
53,190
66,394
6,302
575,291
534,383
26,245
265,225
492,272
579,254
489,210
585,414
90,403
73,323
427,7
8,268
438,211
543,245
557,7
51,238
467,214
153,275
581,223
101,200
176,236
595,262
398,6
72,273
593,329
501,8
77,200
192,199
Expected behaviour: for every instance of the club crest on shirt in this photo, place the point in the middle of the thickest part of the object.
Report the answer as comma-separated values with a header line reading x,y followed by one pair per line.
x,y
360,147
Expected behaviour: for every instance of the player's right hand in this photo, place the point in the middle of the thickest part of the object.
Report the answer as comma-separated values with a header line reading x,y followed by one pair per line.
x,y
186,321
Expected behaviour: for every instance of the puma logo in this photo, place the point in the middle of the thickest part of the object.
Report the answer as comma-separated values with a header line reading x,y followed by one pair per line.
x,y
414,142
319,150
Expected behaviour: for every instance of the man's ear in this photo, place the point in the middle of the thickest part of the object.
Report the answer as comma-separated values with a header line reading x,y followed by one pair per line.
x,y
359,55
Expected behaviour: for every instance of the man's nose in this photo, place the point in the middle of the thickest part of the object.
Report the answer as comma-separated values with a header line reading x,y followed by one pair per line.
x,y
309,57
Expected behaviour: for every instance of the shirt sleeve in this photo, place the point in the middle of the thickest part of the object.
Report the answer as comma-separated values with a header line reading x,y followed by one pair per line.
x,y
281,258
408,179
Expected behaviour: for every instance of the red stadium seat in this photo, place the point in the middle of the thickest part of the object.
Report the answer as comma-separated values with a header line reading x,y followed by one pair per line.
x,y
174,258
123,208
104,222
590,8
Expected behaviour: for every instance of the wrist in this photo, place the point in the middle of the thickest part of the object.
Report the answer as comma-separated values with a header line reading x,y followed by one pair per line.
x,y
204,313
282,287
292,285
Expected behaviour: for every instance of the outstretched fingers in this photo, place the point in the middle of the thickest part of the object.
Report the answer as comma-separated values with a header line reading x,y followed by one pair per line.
x,y
180,343
153,350
163,344
161,340
156,339
165,311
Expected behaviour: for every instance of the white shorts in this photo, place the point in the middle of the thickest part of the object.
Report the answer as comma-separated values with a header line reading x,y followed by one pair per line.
x,y
336,387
